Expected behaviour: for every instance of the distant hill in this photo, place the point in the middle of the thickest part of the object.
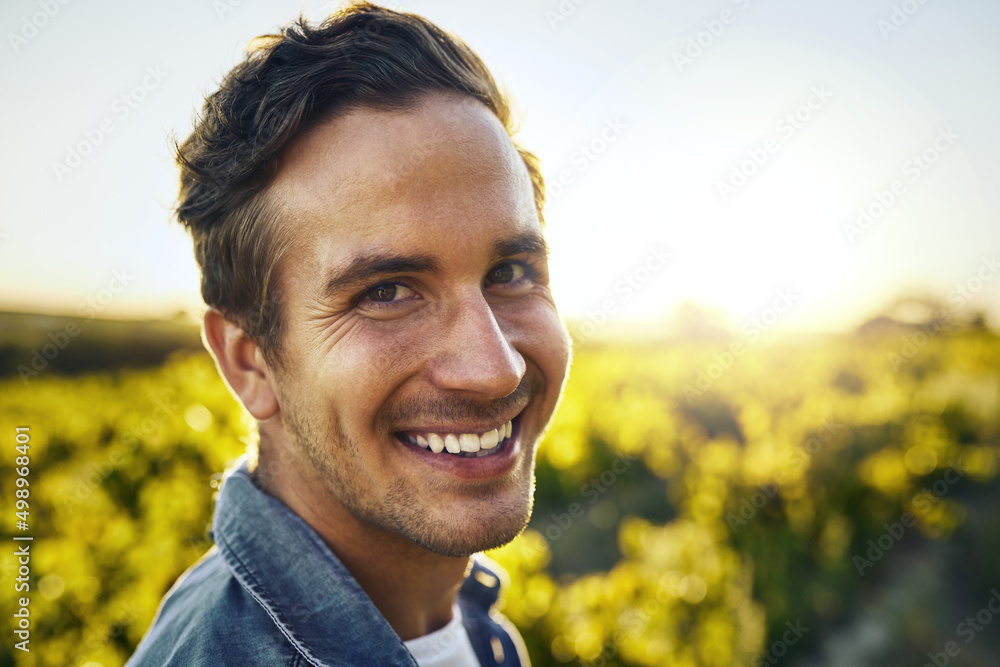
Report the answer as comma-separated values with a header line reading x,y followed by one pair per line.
x,y
30,342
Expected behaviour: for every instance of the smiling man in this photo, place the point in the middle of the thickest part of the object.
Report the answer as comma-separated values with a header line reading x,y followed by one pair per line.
x,y
372,257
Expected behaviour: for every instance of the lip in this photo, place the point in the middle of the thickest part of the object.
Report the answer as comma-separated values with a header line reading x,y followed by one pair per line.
x,y
470,468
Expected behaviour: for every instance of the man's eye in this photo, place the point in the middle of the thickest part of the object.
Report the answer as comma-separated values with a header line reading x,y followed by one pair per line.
x,y
389,292
506,273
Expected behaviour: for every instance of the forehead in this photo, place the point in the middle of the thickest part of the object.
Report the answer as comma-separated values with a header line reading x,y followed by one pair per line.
x,y
444,172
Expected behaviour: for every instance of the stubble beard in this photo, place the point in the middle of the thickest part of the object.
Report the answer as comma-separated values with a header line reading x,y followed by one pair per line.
x,y
398,509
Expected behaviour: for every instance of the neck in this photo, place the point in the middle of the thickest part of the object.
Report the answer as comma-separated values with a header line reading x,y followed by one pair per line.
x,y
413,588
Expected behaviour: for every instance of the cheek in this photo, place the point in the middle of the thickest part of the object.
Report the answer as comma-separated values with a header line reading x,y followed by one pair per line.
x,y
558,350
368,364
540,334
387,348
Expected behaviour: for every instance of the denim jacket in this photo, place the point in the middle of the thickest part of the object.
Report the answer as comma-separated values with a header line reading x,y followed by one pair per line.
x,y
270,592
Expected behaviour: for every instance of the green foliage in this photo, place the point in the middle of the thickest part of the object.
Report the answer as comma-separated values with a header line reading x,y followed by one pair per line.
x,y
675,523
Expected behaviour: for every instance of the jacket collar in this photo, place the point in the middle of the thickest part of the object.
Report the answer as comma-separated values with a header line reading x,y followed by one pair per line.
x,y
293,574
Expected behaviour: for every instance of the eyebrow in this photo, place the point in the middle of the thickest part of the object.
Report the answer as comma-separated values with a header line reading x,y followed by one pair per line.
x,y
527,243
365,267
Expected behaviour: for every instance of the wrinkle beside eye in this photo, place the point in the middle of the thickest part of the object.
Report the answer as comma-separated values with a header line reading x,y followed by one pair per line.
x,y
324,329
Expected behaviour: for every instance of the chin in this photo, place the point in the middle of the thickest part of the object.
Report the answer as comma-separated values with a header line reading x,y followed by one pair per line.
x,y
460,544
462,529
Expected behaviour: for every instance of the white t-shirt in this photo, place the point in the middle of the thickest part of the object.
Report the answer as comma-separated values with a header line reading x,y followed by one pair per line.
x,y
447,647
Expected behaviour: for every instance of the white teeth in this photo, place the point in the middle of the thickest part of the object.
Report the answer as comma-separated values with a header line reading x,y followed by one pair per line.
x,y
489,439
469,442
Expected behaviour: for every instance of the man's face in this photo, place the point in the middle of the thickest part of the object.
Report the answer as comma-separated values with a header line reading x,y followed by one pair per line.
x,y
418,317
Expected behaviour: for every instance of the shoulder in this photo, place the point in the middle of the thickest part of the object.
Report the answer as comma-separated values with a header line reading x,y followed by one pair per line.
x,y
207,618
494,638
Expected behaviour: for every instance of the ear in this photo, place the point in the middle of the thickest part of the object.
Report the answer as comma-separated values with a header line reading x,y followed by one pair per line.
x,y
242,363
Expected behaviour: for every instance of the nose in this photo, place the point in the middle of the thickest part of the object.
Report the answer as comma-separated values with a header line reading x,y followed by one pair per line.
x,y
474,353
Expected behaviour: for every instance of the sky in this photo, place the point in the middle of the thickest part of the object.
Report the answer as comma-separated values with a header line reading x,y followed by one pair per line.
x,y
756,157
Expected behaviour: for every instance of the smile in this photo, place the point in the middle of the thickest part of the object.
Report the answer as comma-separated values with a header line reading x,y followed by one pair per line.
x,y
475,445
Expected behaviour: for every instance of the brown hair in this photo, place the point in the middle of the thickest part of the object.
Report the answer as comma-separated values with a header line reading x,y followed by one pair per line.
x,y
361,56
